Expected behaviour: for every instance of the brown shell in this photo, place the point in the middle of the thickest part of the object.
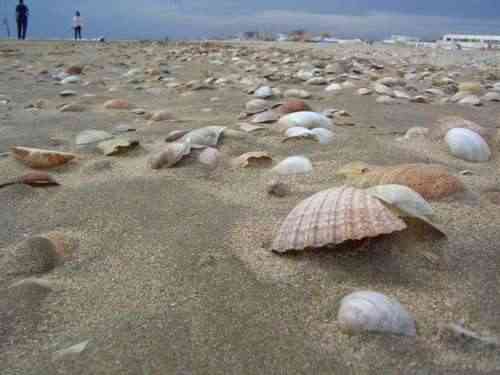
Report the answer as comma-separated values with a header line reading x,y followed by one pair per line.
x,y
291,106
266,117
431,181
252,159
117,104
443,125
74,70
39,158
334,216
38,179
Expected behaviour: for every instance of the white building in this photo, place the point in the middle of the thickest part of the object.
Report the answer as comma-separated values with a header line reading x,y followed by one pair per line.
x,y
473,41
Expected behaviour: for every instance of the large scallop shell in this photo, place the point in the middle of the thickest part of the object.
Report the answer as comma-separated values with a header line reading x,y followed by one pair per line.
x,y
303,119
445,124
467,145
367,311
431,181
39,158
334,216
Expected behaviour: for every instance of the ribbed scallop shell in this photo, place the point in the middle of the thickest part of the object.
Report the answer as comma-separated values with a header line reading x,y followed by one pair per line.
x,y
431,181
368,311
334,216
39,158
445,124
467,145
309,120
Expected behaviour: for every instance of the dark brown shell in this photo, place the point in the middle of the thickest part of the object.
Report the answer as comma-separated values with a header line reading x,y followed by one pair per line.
x,y
294,105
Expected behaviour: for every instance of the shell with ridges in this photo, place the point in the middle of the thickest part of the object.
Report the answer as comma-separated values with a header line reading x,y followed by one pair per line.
x,y
368,311
334,216
467,145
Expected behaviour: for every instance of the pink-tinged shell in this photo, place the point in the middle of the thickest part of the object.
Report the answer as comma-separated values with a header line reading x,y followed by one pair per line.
x,y
210,157
171,155
266,117
334,216
39,158
293,105
117,104
38,179
439,131
252,159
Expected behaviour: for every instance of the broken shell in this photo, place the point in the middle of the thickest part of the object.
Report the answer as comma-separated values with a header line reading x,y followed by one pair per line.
x,y
255,159
170,156
293,165
431,181
467,145
209,157
39,158
334,216
307,120
256,106
266,117
368,311
207,136
117,146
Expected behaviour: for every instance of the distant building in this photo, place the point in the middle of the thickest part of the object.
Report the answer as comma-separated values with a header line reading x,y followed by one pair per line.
x,y
472,41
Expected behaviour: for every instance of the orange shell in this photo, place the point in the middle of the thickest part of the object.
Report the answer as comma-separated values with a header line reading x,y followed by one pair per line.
x,y
38,158
334,216
293,105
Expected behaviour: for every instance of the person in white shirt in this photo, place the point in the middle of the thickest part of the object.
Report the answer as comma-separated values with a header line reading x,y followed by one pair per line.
x,y
77,25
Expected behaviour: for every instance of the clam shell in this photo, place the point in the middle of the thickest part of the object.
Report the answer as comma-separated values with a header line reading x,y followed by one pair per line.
x,y
431,181
445,124
170,156
303,119
209,157
324,136
292,106
252,159
266,117
207,136
293,165
39,158
256,106
264,92
367,311
298,132
334,216
467,145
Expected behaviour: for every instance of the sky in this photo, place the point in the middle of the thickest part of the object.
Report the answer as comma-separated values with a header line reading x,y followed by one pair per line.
x,y
157,19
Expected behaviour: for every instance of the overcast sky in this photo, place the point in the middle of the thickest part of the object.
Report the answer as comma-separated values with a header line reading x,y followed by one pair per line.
x,y
136,19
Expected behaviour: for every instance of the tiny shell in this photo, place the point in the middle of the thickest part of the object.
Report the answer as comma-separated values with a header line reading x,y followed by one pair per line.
x,y
252,159
334,216
263,92
117,146
170,156
305,119
367,311
467,145
162,115
39,158
293,165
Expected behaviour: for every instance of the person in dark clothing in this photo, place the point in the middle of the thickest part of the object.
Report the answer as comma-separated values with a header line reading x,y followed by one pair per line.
x,y
22,14
77,25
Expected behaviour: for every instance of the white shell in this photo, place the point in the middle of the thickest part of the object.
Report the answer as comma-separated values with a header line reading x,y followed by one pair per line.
x,y
467,145
334,87
293,165
409,202
324,136
304,119
263,92
70,79
298,131
207,136
368,311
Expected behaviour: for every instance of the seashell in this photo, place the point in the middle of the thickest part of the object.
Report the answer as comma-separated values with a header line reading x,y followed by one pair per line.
x,y
334,87
298,132
207,136
256,106
252,159
39,158
317,81
383,90
266,117
72,107
162,115
92,136
364,91
431,181
117,104
117,146
324,136
264,92
210,157
440,130
71,79
297,93
334,216
401,95
467,145
385,99
292,106
303,119
416,132
407,201
170,156
74,70
37,179
470,87
71,351
470,100
124,128
293,165
67,93
367,311
35,255
176,134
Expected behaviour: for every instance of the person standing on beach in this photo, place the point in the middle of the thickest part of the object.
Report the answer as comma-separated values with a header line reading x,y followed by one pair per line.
x,y
77,25
22,13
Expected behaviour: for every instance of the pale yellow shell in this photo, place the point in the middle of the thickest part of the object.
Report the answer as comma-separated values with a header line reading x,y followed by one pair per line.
x,y
334,216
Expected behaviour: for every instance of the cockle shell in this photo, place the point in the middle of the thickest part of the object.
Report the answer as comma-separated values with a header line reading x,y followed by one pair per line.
x,y
252,159
170,156
445,124
293,165
467,145
367,311
305,119
334,216
207,136
39,158
431,181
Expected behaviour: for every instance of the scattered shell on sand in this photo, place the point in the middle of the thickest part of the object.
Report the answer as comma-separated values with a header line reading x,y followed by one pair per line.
x,y
367,311
171,155
293,165
72,107
117,104
305,119
92,136
445,124
467,145
39,158
162,115
334,216
264,92
207,136
117,146
256,159
292,106
256,106
266,117
324,136
210,157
